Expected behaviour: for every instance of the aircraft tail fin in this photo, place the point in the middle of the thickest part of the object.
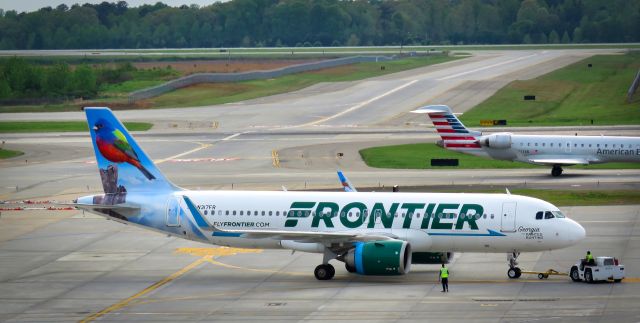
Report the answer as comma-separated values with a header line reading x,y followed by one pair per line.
x,y
123,165
452,132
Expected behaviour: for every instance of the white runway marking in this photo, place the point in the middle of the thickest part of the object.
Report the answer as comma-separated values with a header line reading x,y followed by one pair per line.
x,y
484,68
202,146
358,106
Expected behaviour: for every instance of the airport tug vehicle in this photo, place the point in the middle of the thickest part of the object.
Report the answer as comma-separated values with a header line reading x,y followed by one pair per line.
x,y
604,268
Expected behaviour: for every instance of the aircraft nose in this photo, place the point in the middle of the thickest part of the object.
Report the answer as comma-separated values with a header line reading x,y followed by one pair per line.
x,y
576,232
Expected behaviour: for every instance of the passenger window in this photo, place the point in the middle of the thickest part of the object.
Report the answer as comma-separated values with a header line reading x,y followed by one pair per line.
x,y
220,212
548,215
539,215
205,212
581,145
543,144
551,144
234,212
226,212
528,144
536,144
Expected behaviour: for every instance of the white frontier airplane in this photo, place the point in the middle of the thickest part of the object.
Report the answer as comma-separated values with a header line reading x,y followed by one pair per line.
x,y
555,151
372,233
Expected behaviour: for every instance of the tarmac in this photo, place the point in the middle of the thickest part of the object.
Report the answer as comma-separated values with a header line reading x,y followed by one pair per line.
x,y
64,265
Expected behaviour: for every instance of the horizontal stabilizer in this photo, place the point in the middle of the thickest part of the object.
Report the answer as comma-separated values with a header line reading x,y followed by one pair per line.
x,y
105,209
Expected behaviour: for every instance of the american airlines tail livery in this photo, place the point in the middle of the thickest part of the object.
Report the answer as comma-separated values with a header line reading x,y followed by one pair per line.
x,y
371,233
555,151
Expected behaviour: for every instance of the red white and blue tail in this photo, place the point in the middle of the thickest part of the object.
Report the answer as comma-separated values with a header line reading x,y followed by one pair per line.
x,y
454,134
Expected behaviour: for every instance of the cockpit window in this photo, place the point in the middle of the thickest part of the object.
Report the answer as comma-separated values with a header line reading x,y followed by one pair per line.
x,y
548,215
558,214
539,215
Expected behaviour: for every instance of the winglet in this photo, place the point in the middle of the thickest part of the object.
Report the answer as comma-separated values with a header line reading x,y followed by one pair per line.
x,y
346,184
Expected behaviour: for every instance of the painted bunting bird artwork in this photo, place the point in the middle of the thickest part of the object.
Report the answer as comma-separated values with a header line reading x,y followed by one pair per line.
x,y
113,146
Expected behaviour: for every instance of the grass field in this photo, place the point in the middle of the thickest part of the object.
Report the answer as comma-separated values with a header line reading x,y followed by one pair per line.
x,y
418,156
6,153
60,126
573,95
219,93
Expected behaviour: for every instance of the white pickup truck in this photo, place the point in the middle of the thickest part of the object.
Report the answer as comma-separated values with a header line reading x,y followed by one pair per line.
x,y
605,268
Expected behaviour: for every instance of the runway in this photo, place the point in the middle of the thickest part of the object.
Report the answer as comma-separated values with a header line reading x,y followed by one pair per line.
x,y
64,265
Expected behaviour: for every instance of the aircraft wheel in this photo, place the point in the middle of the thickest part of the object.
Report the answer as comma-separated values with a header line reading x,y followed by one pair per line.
x,y
540,276
324,272
350,268
556,171
514,273
575,274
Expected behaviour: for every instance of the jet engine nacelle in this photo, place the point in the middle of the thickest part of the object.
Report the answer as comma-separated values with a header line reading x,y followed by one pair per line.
x,y
431,257
380,258
497,141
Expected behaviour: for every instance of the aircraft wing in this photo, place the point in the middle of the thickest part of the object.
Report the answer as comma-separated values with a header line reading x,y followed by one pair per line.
x,y
299,236
559,161
305,236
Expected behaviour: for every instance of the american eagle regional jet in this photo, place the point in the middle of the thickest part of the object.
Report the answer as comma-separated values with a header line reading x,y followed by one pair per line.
x,y
548,150
371,233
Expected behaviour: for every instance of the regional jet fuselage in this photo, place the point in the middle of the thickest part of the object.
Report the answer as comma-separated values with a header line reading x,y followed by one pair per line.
x,y
548,150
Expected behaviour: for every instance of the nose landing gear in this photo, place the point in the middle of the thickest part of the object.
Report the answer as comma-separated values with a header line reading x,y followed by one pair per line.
x,y
514,271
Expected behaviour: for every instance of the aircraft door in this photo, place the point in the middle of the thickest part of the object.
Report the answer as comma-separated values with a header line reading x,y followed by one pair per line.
x,y
173,212
508,217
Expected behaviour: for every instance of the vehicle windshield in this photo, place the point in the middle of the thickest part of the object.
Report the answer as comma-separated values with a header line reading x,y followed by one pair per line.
x,y
558,214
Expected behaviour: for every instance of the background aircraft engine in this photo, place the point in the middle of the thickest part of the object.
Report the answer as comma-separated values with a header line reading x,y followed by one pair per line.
x,y
431,257
498,141
380,258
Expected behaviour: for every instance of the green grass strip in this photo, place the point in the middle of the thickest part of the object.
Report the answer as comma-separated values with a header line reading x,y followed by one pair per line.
x,y
6,153
573,95
418,156
60,126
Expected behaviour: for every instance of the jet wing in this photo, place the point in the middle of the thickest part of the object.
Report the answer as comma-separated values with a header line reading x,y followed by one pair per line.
x,y
559,161
304,236
299,236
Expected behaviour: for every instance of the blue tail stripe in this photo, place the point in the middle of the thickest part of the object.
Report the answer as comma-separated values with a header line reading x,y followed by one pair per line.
x,y
196,214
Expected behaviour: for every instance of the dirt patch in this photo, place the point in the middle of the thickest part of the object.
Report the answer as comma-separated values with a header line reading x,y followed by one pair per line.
x,y
222,66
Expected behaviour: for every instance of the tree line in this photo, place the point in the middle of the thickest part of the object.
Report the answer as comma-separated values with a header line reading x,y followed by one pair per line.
x,y
24,80
249,23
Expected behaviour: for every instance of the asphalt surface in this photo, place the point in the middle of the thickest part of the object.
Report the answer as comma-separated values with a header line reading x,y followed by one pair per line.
x,y
62,265
69,267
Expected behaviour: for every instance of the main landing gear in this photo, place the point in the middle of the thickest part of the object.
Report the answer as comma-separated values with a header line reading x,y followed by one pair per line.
x,y
325,271
556,171
514,271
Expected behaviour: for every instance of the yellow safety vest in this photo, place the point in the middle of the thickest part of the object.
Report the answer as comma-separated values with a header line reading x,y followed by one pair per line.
x,y
444,273
589,257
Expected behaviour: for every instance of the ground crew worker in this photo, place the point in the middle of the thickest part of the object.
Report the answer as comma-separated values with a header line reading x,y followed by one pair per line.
x,y
444,278
589,258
